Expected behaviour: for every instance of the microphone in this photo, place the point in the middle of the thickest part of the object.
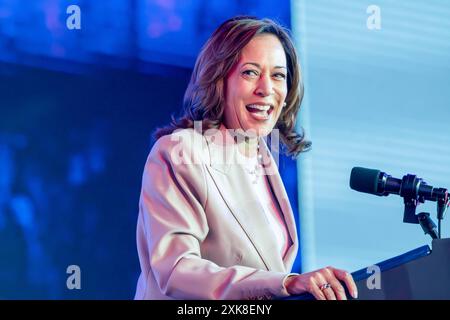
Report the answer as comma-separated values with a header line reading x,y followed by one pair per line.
x,y
379,183
428,225
413,190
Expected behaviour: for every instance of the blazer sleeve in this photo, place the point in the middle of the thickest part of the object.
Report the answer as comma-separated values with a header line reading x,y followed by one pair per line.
x,y
174,224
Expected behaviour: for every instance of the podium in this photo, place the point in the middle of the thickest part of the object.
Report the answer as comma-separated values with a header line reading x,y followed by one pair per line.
x,y
420,274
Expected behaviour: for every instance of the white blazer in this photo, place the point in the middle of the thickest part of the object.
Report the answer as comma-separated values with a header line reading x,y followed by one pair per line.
x,y
201,230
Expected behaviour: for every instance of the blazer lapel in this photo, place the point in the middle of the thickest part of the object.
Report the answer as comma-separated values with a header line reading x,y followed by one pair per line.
x,y
238,193
283,200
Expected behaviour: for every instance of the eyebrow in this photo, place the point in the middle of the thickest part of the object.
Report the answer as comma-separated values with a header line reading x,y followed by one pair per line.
x,y
259,66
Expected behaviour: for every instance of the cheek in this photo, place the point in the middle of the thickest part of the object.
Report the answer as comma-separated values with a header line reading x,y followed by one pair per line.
x,y
234,91
233,110
280,110
281,90
238,98
232,105
284,91
277,116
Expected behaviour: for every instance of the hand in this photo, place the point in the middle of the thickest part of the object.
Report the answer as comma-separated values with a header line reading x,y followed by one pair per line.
x,y
315,282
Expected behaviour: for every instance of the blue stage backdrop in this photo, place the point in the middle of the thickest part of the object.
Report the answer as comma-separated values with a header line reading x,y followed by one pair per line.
x,y
77,109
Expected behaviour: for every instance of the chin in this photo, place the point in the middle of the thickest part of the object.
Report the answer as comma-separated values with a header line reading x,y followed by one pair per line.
x,y
263,130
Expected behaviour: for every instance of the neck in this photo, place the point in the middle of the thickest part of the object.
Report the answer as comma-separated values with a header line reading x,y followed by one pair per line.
x,y
248,146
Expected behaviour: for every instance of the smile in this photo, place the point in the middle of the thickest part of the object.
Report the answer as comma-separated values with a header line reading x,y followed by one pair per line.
x,y
259,112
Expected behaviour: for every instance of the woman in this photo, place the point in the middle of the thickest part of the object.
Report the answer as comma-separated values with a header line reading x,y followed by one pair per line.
x,y
215,221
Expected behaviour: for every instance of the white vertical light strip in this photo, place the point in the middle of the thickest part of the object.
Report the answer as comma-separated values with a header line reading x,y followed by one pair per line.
x,y
377,99
305,160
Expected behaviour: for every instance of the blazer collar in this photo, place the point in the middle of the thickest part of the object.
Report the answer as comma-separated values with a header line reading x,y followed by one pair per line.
x,y
238,193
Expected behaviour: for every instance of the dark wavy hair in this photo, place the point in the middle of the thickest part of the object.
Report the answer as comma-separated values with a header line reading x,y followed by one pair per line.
x,y
204,97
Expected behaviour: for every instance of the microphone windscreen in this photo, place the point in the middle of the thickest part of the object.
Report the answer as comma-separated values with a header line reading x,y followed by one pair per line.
x,y
364,180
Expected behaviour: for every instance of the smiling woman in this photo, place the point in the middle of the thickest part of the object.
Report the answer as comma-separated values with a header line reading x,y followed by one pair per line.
x,y
206,96
256,87
209,229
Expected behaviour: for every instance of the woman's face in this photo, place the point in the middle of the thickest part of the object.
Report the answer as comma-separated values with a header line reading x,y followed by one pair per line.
x,y
255,89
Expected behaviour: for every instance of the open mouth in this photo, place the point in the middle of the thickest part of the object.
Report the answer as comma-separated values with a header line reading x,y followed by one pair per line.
x,y
260,112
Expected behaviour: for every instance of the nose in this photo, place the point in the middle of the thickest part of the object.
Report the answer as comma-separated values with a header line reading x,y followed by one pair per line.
x,y
264,86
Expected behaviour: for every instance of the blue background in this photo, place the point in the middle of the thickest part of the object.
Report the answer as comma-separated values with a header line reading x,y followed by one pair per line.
x,y
77,111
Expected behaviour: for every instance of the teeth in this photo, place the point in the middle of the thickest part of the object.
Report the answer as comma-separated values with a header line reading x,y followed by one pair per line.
x,y
259,107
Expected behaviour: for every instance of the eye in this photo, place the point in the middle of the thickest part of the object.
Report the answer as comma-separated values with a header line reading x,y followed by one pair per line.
x,y
250,72
280,75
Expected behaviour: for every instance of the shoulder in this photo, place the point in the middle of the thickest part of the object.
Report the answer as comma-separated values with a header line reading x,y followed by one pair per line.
x,y
174,163
184,146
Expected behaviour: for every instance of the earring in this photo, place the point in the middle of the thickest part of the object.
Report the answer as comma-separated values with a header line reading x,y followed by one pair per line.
x,y
284,104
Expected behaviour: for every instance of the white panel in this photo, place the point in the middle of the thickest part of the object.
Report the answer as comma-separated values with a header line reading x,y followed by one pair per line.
x,y
376,99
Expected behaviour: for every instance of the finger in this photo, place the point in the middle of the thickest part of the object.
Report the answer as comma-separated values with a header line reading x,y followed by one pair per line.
x,y
348,280
317,293
338,289
313,288
306,283
329,293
